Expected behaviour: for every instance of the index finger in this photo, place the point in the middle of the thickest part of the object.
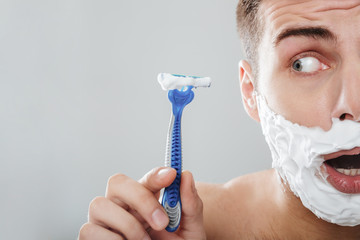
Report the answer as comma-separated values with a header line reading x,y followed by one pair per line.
x,y
154,181
158,178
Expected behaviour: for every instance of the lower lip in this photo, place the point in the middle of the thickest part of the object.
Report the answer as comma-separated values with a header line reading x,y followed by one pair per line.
x,y
342,182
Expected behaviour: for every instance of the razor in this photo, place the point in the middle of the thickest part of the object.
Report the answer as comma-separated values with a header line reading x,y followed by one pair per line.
x,y
180,94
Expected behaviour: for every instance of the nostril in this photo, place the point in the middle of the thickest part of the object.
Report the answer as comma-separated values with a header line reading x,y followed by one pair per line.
x,y
347,116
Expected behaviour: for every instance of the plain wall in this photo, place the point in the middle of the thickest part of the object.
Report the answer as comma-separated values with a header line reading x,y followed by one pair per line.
x,y
79,102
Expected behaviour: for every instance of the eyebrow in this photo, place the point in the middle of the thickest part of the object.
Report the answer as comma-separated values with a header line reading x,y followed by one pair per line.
x,y
313,32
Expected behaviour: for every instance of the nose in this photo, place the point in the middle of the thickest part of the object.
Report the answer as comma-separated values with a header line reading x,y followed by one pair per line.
x,y
348,102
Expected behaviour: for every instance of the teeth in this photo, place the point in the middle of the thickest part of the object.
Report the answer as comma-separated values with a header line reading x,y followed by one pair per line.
x,y
349,172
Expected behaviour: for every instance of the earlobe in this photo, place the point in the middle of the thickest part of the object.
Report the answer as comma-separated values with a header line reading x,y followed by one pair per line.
x,y
247,88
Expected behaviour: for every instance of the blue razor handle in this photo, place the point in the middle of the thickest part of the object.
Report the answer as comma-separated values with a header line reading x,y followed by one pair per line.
x,y
171,196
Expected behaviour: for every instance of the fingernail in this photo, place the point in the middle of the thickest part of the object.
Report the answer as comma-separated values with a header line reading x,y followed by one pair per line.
x,y
164,172
159,218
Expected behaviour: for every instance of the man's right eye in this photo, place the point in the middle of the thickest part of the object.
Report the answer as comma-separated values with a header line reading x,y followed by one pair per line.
x,y
308,65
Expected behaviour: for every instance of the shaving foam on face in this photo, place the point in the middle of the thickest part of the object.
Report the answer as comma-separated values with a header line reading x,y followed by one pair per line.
x,y
297,157
172,81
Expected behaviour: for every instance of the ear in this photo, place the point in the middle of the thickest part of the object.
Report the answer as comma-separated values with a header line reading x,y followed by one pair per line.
x,y
248,90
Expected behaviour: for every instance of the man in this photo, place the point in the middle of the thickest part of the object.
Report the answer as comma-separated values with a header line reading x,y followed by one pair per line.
x,y
301,81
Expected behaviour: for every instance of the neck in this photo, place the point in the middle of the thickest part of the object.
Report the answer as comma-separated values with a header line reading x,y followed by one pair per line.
x,y
296,220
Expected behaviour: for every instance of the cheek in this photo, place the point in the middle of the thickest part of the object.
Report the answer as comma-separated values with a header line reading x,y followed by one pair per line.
x,y
301,100
307,108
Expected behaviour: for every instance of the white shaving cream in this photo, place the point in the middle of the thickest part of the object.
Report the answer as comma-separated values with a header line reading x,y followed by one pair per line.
x,y
170,81
297,156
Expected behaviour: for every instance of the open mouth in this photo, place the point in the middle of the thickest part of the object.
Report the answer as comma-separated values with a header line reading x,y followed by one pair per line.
x,y
344,170
346,164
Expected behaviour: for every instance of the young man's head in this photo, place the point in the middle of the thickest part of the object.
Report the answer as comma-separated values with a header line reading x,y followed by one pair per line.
x,y
250,29
304,59
303,50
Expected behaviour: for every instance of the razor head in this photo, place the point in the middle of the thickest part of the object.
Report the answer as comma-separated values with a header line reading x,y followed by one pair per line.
x,y
174,81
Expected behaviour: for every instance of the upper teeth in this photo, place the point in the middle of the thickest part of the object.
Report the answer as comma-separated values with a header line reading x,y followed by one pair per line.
x,y
349,172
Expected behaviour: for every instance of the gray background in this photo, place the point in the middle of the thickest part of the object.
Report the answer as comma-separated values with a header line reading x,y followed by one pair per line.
x,y
79,102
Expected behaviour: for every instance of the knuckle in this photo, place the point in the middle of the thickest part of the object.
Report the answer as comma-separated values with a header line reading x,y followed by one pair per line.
x,y
86,231
96,205
196,206
116,179
144,203
200,204
148,176
145,195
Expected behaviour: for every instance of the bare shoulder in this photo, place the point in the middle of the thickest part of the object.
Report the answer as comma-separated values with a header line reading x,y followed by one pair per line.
x,y
230,209
252,185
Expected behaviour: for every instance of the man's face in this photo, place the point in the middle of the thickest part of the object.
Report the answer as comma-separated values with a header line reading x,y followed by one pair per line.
x,y
309,74
309,71
309,60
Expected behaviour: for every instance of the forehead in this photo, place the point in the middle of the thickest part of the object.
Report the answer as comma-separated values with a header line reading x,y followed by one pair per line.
x,y
278,15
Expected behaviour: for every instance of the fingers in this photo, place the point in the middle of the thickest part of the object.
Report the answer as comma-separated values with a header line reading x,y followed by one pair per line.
x,y
154,181
158,178
92,231
130,209
106,214
192,206
139,196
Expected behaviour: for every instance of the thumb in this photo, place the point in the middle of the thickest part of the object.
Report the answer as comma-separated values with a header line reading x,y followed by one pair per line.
x,y
192,207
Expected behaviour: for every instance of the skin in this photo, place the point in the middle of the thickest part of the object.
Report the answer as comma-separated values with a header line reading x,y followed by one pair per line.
x,y
255,206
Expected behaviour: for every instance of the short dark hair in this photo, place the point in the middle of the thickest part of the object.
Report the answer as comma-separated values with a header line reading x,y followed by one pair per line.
x,y
250,29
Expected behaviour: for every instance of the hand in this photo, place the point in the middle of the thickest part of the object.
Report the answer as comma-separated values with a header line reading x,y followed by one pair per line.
x,y
131,210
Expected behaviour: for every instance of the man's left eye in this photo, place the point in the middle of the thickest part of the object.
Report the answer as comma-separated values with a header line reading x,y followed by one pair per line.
x,y
308,64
